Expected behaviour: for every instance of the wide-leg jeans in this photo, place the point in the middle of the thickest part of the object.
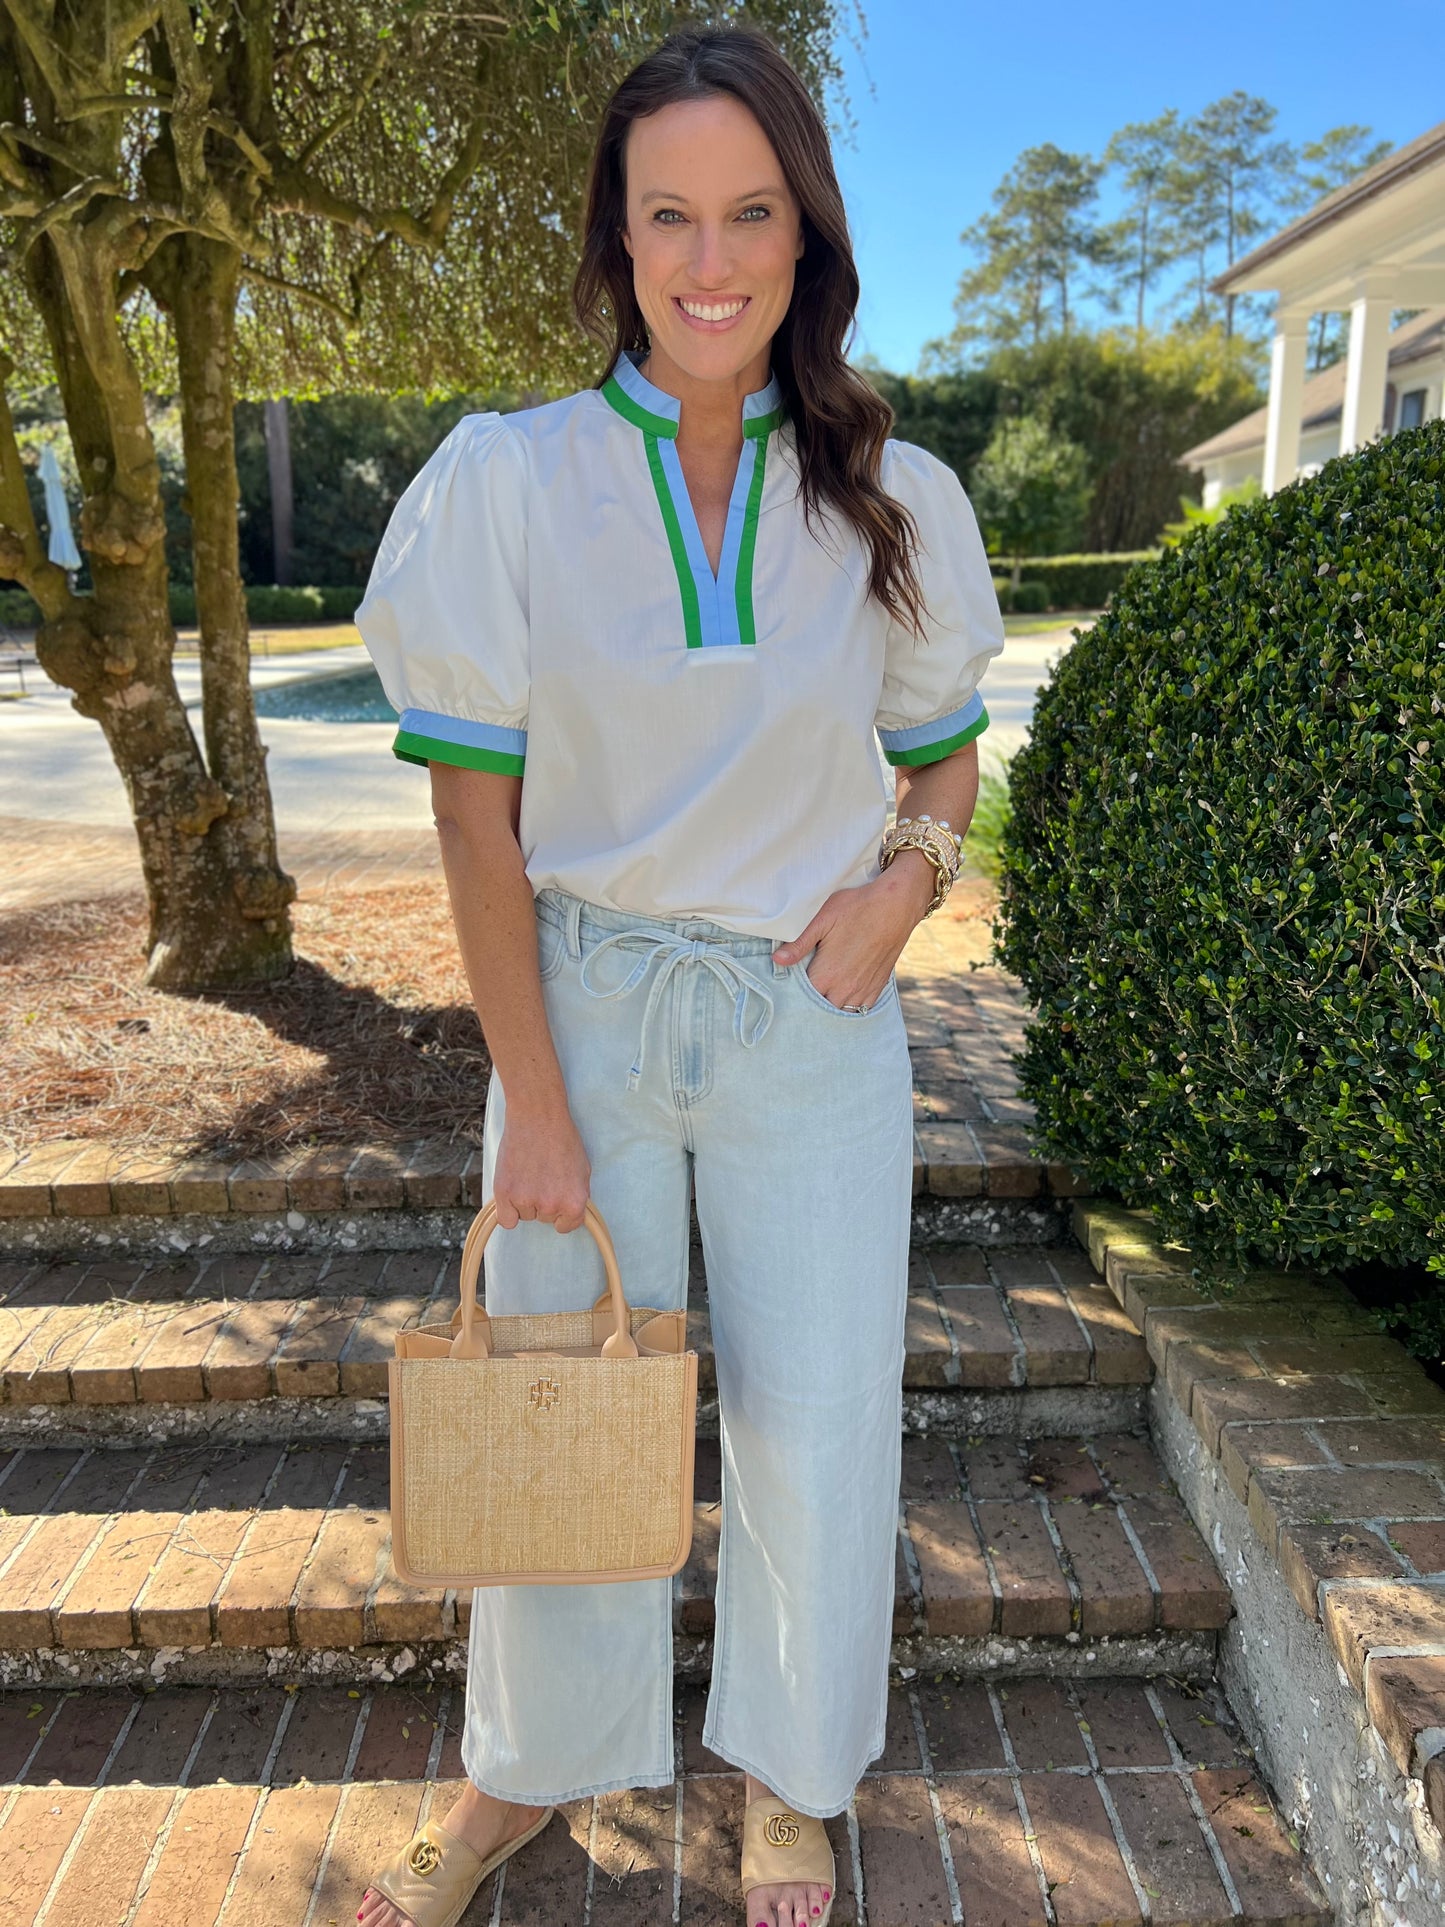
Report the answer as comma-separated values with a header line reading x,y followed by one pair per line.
x,y
693,1062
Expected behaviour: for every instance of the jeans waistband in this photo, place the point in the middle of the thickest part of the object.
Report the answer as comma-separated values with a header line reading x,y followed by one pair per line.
x,y
572,913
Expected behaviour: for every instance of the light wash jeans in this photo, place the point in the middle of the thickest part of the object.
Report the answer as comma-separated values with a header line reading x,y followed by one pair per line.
x,y
689,1056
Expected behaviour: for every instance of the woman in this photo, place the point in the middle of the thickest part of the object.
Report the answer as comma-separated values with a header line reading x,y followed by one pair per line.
x,y
686,599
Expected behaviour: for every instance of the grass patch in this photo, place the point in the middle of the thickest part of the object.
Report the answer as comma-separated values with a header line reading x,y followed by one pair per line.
x,y
990,819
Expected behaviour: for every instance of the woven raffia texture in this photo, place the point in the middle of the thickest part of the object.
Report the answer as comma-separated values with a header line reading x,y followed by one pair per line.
x,y
545,1465
564,1329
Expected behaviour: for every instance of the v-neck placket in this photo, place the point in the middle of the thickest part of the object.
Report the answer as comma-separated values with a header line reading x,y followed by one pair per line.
x,y
717,610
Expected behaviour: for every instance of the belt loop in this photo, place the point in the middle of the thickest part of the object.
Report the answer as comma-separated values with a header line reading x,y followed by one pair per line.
x,y
574,927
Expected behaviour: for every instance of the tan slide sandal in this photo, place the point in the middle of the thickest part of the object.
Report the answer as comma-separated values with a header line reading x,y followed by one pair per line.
x,y
786,1849
433,1878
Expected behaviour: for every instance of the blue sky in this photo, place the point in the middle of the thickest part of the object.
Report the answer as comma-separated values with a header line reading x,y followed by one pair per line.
x,y
959,87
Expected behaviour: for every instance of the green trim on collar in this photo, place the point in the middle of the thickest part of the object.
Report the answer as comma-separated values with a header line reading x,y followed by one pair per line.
x,y
757,428
743,585
410,748
631,411
687,587
935,752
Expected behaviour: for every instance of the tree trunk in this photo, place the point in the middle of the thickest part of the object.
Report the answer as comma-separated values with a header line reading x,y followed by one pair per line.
x,y
113,650
202,278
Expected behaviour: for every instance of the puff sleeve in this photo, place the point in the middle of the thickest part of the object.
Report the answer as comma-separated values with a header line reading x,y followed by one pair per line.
x,y
445,612
930,704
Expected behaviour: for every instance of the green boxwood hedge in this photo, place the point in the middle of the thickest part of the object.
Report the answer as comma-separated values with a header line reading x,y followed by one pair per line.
x,y
1223,880
265,604
1069,581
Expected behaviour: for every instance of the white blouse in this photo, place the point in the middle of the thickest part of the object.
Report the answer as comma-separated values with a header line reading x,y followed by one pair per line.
x,y
693,745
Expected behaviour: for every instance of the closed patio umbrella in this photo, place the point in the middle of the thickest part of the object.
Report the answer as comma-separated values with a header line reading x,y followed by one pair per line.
x,y
63,551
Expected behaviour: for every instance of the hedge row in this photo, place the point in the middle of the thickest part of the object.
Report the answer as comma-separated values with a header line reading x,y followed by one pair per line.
x,y
1048,582
264,602
1069,581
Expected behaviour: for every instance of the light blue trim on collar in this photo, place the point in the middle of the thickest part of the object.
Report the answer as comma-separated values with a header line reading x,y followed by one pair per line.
x,y
667,408
707,586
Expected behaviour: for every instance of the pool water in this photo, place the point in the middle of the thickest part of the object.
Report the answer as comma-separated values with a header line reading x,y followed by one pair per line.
x,y
350,696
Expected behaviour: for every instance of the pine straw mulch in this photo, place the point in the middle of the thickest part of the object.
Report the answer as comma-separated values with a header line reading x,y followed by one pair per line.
x,y
371,1038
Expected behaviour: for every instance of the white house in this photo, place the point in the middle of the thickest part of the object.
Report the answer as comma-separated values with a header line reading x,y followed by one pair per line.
x,y
1373,247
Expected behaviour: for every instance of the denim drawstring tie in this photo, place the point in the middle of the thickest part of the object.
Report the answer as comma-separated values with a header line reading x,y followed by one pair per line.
x,y
674,951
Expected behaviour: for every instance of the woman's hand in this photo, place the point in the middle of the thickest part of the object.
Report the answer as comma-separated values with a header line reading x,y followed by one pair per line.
x,y
860,933
542,1170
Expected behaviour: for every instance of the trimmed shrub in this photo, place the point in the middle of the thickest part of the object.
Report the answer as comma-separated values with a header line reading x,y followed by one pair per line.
x,y
264,604
1224,877
267,604
1082,581
18,609
1030,599
1069,581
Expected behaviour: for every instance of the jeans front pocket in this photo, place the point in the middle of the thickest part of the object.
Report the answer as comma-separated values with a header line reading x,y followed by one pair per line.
x,y
888,995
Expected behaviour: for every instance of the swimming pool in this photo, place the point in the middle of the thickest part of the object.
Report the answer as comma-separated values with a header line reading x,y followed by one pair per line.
x,y
346,696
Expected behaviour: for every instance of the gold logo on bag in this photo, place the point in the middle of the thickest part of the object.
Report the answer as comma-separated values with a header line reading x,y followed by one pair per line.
x,y
544,1394
781,1830
424,1858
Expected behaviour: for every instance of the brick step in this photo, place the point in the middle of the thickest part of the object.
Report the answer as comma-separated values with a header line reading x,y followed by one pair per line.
x,y
208,1562
1027,1342
1093,1803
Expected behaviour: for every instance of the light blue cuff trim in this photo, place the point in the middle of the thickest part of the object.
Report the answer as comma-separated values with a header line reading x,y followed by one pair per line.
x,y
456,729
937,731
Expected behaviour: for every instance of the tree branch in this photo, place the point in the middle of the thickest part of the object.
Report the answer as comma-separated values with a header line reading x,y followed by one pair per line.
x,y
263,279
24,554
36,30
352,108
190,105
297,192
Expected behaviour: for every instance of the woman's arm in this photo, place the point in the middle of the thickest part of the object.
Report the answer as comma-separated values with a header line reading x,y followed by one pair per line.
x,y
860,932
542,1170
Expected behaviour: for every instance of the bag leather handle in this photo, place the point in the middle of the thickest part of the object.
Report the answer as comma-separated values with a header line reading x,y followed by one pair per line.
x,y
474,1338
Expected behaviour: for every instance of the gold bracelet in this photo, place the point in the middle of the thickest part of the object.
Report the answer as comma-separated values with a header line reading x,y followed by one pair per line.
x,y
936,840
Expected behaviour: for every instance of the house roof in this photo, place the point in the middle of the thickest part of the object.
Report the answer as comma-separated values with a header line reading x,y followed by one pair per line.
x,y
1323,399
1426,150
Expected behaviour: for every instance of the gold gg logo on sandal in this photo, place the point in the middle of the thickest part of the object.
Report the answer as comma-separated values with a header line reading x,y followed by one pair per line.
x,y
781,1830
424,1858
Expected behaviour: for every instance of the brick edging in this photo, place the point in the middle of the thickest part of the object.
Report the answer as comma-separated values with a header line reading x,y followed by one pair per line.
x,y
88,1178
1333,1438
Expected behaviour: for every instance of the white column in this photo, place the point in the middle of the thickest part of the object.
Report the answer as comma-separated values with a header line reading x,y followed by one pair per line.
x,y
1369,357
1286,393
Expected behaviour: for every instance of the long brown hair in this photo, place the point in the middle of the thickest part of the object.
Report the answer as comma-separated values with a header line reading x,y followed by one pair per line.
x,y
839,422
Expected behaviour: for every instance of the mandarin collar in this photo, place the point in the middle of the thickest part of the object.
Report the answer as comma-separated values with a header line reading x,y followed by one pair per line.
x,y
653,410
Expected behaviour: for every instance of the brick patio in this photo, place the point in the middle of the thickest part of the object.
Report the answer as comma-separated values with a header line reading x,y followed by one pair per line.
x,y
1032,1803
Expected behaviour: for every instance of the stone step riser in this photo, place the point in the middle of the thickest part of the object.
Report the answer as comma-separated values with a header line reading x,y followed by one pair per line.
x,y
936,1221
1045,1413
1172,1655
261,1808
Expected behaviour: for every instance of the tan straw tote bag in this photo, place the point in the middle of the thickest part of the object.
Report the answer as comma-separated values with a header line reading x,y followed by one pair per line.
x,y
550,1449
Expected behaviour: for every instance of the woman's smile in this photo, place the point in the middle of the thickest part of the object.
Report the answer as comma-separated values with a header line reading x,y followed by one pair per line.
x,y
712,315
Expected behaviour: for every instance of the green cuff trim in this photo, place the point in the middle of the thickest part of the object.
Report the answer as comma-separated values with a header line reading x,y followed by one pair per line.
x,y
429,749
935,752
